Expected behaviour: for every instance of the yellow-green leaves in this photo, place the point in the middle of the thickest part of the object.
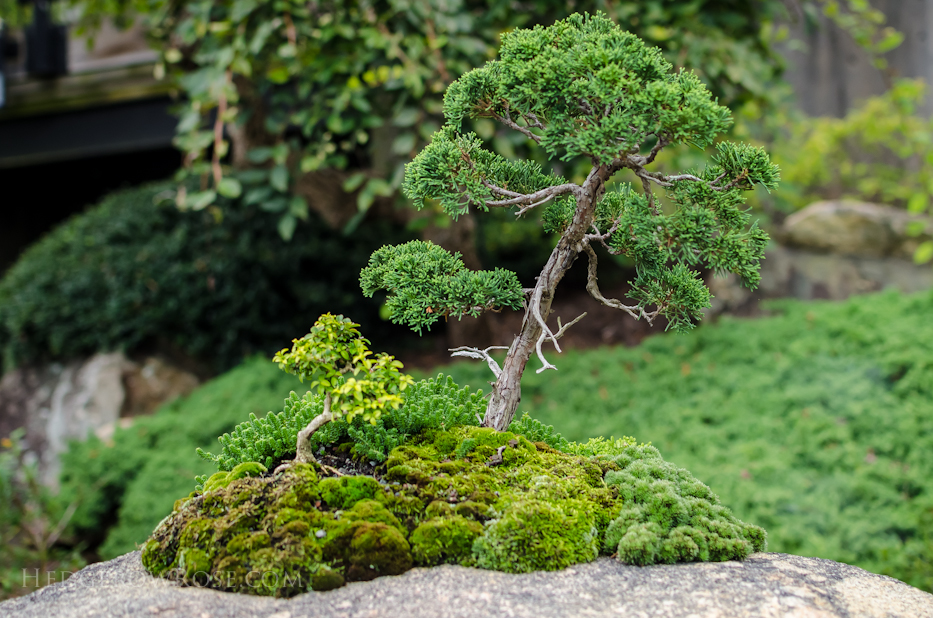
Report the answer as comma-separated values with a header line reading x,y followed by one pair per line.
x,y
338,362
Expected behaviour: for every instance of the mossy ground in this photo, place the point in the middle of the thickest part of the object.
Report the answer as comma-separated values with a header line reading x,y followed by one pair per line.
x,y
469,496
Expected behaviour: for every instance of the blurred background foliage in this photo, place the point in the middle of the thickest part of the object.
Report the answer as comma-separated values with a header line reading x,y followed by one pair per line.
x,y
881,151
135,273
37,540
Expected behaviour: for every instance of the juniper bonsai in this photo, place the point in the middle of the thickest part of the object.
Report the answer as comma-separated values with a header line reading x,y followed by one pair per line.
x,y
581,88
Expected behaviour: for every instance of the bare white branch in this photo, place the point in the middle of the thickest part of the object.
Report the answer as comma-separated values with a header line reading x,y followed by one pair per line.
x,y
478,354
523,199
563,329
554,337
531,207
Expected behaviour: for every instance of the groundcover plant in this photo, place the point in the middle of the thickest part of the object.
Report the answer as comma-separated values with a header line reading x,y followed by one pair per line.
x,y
369,473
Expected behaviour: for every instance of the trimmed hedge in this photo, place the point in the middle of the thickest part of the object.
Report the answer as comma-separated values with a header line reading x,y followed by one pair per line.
x,y
218,285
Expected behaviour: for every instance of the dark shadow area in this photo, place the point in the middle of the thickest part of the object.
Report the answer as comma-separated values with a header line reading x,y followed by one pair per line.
x,y
36,198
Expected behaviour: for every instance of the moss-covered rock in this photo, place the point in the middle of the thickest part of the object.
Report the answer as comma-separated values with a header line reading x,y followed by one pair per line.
x,y
468,496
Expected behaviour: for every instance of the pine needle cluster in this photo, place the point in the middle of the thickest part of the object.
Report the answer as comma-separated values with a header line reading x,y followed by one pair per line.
x,y
426,282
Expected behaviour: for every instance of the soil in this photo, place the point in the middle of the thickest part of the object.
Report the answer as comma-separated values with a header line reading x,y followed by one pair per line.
x,y
338,459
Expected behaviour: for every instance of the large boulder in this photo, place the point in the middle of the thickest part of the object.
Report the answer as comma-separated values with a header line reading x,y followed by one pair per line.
x,y
60,402
831,251
855,229
764,585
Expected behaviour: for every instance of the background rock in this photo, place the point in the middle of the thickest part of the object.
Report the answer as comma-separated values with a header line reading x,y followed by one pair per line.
x,y
764,585
830,251
854,228
57,403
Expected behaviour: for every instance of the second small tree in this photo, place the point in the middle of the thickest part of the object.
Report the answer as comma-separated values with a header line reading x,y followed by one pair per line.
x,y
581,88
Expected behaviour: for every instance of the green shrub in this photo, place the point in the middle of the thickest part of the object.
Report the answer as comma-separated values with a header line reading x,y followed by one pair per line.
x,y
814,423
435,403
131,272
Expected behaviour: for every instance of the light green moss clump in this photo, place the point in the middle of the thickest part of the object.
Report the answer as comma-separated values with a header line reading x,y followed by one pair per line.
x,y
470,496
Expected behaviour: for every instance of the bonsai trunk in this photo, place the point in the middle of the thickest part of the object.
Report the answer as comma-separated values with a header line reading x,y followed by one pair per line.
x,y
304,452
507,391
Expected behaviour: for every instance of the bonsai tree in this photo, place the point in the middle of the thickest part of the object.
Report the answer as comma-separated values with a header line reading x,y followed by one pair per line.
x,y
582,88
337,361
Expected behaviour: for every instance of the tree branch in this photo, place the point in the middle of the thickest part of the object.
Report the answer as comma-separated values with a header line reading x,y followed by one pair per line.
x,y
657,148
534,121
507,121
602,238
637,163
593,288
480,355
526,199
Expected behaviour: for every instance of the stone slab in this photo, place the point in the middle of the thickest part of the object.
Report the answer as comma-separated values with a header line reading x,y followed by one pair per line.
x,y
765,585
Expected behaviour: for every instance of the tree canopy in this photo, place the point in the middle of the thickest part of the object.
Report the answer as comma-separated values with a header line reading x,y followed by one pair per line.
x,y
584,88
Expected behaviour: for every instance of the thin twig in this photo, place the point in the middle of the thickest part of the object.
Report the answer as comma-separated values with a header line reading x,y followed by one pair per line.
x,y
554,337
478,354
593,288
507,121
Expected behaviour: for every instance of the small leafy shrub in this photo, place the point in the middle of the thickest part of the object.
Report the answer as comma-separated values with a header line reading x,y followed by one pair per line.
x,y
433,403
131,272
506,504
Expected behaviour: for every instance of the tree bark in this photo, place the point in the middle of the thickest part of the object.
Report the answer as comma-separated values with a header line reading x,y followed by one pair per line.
x,y
304,452
507,392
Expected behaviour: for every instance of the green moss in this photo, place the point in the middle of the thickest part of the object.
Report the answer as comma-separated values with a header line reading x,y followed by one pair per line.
x,y
345,491
535,535
372,511
669,516
441,540
376,549
506,504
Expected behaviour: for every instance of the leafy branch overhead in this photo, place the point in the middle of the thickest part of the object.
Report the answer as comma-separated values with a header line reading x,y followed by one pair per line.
x,y
581,89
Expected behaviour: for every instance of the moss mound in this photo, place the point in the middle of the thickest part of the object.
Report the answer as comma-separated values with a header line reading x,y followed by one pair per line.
x,y
469,496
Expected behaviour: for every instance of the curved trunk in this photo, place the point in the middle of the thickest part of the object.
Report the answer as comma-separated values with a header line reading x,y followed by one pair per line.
x,y
304,451
507,391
